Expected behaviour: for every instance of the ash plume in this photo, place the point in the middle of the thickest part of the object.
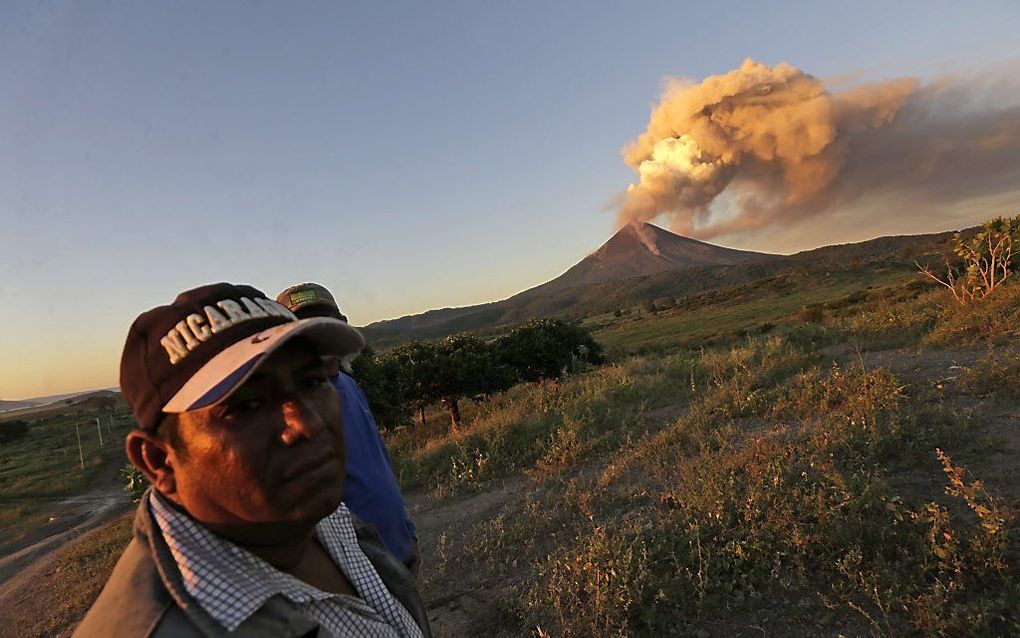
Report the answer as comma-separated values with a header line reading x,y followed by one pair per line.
x,y
769,145
647,238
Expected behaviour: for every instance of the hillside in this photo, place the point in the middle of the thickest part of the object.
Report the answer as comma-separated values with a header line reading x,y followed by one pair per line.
x,y
6,406
56,404
627,271
826,475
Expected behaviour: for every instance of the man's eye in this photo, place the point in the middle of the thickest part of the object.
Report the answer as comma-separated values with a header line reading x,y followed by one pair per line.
x,y
246,406
314,382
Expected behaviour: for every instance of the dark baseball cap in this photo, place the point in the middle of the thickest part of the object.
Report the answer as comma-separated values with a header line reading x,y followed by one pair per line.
x,y
194,352
310,299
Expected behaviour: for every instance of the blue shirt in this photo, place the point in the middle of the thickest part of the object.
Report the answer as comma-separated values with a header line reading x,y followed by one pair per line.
x,y
370,490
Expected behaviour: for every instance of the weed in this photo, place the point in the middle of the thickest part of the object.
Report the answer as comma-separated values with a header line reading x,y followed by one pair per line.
x,y
992,320
997,374
593,587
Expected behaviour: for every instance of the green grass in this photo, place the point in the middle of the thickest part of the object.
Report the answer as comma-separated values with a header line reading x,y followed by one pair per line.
x,y
46,461
44,466
748,312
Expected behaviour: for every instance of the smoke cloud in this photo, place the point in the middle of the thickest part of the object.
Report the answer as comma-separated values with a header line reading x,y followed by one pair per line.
x,y
763,146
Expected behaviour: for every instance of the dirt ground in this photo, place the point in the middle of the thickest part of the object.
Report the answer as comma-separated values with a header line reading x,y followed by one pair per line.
x,y
456,606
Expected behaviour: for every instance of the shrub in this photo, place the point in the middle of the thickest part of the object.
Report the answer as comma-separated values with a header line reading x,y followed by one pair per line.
x,y
889,324
813,313
997,374
12,431
987,260
593,587
135,482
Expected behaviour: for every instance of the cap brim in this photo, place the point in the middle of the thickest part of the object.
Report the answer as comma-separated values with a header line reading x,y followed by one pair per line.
x,y
225,372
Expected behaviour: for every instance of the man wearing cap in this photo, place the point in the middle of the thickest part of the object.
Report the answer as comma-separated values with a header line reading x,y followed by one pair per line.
x,y
370,490
244,532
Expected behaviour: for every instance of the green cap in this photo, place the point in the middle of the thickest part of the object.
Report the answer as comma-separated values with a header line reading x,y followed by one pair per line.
x,y
310,300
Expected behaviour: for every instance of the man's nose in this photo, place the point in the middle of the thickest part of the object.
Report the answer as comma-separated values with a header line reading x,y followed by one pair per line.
x,y
300,422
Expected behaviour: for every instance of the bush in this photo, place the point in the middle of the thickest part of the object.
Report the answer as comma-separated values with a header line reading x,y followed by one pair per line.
x,y
12,431
890,324
135,482
987,260
593,587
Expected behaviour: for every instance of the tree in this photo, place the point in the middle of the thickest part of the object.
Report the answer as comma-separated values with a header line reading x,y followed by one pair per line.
x,y
413,366
458,367
546,348
419,374
379,377
987,260
466,367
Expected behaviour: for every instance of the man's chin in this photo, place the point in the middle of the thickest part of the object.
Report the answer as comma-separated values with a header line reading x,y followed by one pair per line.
x,y
313,504
314,510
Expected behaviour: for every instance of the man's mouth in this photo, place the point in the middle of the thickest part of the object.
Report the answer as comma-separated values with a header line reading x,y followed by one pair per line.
x,y
304,466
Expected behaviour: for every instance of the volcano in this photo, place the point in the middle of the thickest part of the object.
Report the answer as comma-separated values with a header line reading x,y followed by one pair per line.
x,y
640,249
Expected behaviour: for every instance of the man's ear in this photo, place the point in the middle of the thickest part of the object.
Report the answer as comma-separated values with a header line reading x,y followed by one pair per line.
x,y
149,454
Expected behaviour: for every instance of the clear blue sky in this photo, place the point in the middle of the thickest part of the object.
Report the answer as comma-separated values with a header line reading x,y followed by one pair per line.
x,y
409,155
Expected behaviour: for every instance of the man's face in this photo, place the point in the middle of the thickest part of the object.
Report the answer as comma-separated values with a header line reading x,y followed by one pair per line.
x,y
272,453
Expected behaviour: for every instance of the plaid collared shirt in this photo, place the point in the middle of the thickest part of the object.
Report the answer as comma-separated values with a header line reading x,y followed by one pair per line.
x,y
231,583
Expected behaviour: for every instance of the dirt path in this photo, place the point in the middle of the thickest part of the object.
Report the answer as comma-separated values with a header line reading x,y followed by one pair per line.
x,y
456,607
73,517
24,562
912,365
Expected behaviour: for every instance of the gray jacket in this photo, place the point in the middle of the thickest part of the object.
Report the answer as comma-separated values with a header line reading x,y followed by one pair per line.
x,y
145,595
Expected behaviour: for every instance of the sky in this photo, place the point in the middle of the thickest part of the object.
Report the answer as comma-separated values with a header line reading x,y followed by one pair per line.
x,y
408,155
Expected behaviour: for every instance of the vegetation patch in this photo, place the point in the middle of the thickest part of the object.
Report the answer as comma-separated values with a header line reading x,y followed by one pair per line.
x,y
777,477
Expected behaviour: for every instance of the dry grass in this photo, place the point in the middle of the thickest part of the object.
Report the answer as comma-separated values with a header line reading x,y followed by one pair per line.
x,y
775,479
